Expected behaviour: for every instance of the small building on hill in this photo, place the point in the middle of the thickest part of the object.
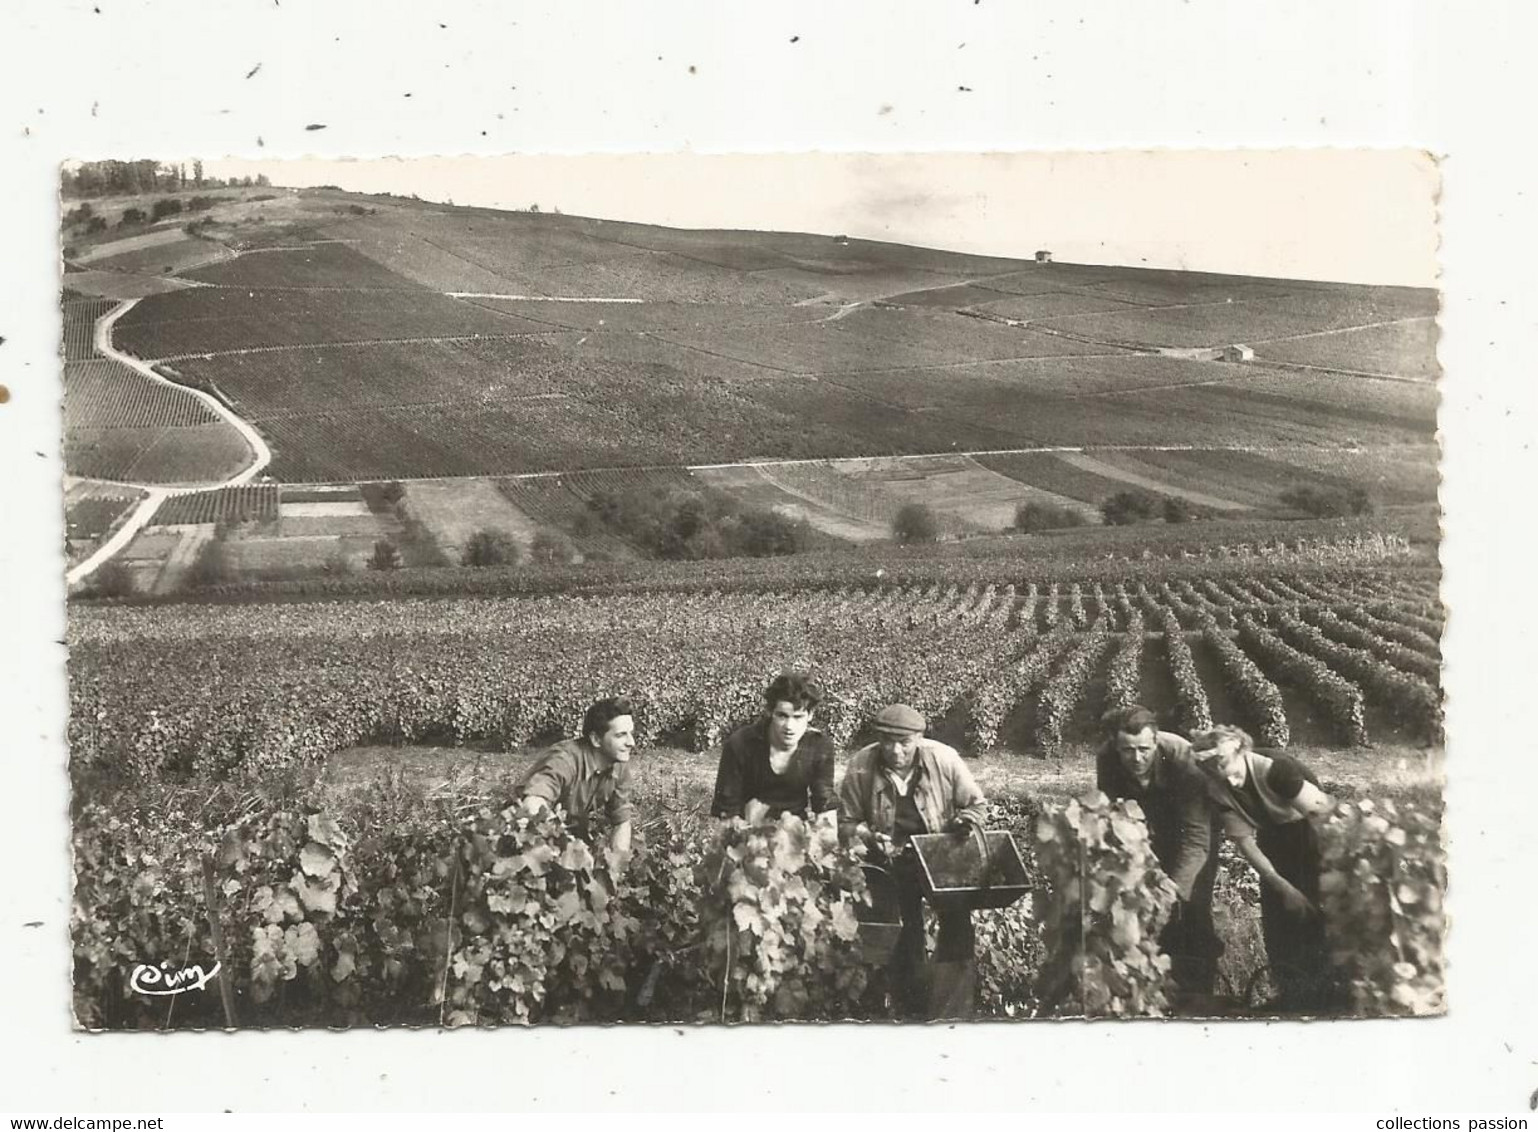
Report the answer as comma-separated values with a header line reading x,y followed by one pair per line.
x,y
1237,353
1043,256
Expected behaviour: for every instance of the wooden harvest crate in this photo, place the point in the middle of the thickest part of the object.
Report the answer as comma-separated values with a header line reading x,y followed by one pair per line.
x,y
977,870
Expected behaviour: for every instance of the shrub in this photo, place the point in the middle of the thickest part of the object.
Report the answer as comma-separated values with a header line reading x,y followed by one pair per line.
x,y
111,579
1327,502
79,214
914,523
1177,510
95,224
132,216
387,556
688,523
383,496
1031,516
213,567
551,548
490,548
1127,507
165,206
765,533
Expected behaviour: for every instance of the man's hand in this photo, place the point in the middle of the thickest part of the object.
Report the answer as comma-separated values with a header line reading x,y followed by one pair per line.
x,y
1295,902
961,824
755,811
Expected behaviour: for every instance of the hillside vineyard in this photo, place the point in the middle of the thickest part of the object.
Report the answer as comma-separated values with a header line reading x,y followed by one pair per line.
x,y
370,499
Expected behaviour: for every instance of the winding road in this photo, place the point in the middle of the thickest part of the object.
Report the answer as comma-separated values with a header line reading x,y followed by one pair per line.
x,y
155,493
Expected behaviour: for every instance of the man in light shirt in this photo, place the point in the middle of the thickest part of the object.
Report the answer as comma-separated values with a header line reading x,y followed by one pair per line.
x,y
905,784
590,775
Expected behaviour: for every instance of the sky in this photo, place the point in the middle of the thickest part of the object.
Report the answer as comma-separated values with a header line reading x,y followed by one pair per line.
x,y
1364,216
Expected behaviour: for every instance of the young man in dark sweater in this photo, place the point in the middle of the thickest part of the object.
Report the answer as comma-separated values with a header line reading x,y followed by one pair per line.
x,y
779,762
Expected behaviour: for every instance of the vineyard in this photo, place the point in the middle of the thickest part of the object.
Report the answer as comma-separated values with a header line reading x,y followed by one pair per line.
x,y
389,903
219,320
249,503
107,394
121,426
217,691
80,327
187,454
354,357
211,742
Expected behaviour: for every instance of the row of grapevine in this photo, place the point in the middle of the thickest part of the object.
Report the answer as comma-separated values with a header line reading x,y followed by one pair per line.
x,y
1387,649
1405,635
1062,693
227,689
1428,627
80,317
403,910
1337,697
107,394
1126,666
1254,691
990,703
1195,713
1410,696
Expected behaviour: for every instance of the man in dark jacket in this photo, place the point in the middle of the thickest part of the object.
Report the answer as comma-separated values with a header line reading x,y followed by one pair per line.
x,y
779,762
1157,770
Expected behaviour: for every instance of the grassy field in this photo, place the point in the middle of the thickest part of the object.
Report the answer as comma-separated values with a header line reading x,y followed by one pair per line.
x,y
454,512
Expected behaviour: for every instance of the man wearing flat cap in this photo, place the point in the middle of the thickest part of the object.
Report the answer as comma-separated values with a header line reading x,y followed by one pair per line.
x,y
904,784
